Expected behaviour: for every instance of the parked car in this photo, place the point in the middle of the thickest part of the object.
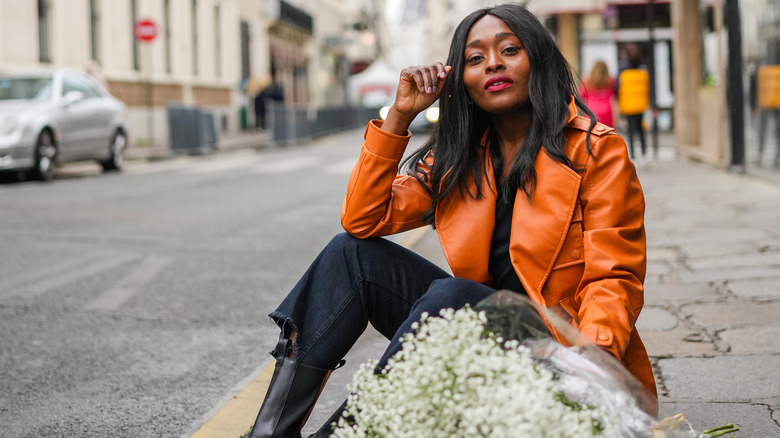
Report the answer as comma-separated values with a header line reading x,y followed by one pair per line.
x,y
54,116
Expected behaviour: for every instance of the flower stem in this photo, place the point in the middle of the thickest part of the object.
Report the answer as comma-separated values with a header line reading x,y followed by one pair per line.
x,y
715,429
723,432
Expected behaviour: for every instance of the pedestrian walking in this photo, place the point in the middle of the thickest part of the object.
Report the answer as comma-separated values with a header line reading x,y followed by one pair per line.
x,y
272,92
633,92
598,91
524,193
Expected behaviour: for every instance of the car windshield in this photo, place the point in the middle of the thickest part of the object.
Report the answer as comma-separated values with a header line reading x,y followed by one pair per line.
x,y
35,88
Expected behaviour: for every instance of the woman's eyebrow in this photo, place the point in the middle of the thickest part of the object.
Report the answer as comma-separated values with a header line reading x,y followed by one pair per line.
x,y
498,36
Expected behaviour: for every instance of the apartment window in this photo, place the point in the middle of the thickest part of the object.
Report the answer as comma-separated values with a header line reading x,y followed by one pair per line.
x,y
94,29
194,32
217,41
134,18
167,33
44,47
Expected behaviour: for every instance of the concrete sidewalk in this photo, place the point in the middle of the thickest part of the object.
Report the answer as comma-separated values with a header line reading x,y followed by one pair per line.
x,y
712,300
710,321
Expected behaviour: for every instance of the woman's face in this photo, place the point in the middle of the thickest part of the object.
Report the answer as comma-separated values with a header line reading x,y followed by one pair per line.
x,y
497,68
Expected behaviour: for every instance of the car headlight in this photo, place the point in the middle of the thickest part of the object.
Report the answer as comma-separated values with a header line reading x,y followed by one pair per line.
x,y
383,112
432,114
8,126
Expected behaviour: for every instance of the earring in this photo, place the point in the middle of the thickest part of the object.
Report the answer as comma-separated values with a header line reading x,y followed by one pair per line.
x,y
468,100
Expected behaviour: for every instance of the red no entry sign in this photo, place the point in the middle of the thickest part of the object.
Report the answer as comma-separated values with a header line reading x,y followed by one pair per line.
x,y
145,30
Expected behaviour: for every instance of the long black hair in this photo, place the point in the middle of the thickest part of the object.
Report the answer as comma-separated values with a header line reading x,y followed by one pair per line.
x,y
462,125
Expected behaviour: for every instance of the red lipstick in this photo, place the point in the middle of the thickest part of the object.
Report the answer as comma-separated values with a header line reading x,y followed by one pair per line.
x,y
497,83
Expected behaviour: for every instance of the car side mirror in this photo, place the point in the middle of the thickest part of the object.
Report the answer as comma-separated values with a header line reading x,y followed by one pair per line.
x,y
72,97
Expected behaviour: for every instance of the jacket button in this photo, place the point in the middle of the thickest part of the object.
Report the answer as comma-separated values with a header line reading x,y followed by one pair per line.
x,y
603,337
576,254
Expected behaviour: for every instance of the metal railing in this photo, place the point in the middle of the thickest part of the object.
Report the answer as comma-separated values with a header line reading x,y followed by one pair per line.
x,y
190,129
295,124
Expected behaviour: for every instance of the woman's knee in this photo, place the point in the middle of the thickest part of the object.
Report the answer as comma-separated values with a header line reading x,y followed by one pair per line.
x,y
342,241
453,293
345,242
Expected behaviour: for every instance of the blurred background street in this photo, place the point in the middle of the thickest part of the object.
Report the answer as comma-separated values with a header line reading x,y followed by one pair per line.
x,y
168,169
131,303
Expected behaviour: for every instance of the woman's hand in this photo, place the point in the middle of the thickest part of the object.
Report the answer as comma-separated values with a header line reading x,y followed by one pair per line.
x,y
418,87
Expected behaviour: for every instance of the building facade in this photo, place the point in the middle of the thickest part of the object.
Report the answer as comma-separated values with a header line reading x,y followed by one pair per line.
x,y
214,54
761,53
692,63
192,59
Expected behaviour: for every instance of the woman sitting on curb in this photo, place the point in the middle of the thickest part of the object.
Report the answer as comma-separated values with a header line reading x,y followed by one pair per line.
x,y
523,192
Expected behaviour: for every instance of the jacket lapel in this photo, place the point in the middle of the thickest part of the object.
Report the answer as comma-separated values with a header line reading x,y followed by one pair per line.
x,y
465,228
539,226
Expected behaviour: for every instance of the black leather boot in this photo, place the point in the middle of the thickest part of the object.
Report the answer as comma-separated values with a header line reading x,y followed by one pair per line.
x,y
326,430
291,395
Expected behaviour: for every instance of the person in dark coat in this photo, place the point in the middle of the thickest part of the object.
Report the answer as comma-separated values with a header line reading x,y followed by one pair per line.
x,y
272,92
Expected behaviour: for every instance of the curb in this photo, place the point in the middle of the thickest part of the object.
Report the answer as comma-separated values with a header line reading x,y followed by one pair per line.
x,y
236,417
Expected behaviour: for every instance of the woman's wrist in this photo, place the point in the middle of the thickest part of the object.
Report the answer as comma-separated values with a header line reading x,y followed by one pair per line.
x,y
396,122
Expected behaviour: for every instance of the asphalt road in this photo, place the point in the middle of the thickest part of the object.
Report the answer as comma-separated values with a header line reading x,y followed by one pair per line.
x,y
131,303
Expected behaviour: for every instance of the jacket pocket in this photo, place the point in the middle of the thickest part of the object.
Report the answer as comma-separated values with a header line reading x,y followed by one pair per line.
x,y
572,252
569,267
566,312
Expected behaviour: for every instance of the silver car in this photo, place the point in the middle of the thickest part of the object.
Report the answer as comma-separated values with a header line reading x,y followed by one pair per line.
x,y
55,116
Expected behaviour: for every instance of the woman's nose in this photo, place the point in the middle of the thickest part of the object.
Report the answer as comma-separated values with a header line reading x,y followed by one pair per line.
x,y
493,63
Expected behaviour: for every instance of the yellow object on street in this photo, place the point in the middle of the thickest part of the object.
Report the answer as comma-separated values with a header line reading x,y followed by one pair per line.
x,y
634,91
769,87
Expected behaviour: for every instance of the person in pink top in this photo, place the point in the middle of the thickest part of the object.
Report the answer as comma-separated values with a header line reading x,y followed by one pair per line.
x,y
598,92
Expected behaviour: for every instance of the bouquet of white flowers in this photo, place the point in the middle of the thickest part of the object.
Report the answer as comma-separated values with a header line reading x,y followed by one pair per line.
x,y
471,373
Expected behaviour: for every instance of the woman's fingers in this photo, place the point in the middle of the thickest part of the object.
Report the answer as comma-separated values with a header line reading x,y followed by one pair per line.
x,y
427,78
441,70
419,87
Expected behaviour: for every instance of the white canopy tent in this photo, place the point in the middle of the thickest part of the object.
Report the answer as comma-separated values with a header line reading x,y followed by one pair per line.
x,y
374,86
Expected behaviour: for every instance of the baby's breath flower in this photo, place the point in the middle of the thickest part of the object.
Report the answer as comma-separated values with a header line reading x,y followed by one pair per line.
x,y
450,380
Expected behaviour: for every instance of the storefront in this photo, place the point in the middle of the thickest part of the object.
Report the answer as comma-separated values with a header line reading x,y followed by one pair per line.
x,y
761,53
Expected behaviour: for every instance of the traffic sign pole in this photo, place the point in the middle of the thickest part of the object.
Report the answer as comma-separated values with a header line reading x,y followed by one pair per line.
x,y
145,31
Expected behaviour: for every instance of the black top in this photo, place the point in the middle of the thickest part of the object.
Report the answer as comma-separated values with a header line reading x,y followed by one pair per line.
x,y
500,265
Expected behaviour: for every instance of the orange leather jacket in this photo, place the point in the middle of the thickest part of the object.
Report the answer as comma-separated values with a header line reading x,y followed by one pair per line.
x,y
578,246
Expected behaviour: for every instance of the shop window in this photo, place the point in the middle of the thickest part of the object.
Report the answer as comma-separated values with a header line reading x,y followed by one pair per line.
x,y
635,15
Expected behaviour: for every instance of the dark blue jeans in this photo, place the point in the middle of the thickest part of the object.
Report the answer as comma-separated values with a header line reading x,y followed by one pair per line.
x,y
354,282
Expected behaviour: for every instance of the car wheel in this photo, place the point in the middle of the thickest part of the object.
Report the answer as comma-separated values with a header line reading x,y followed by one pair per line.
x,y
45,156
117,148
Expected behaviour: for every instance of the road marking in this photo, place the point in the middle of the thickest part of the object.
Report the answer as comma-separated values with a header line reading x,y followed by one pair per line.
x,y
341,167
287,165
71,263
130,284
235,417
215,166
75,272
144,167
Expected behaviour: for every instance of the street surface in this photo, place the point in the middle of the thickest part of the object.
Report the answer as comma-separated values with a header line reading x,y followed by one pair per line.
x,y
131,303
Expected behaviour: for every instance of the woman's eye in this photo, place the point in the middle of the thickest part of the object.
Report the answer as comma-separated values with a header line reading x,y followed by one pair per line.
x,y
474,58
512,49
